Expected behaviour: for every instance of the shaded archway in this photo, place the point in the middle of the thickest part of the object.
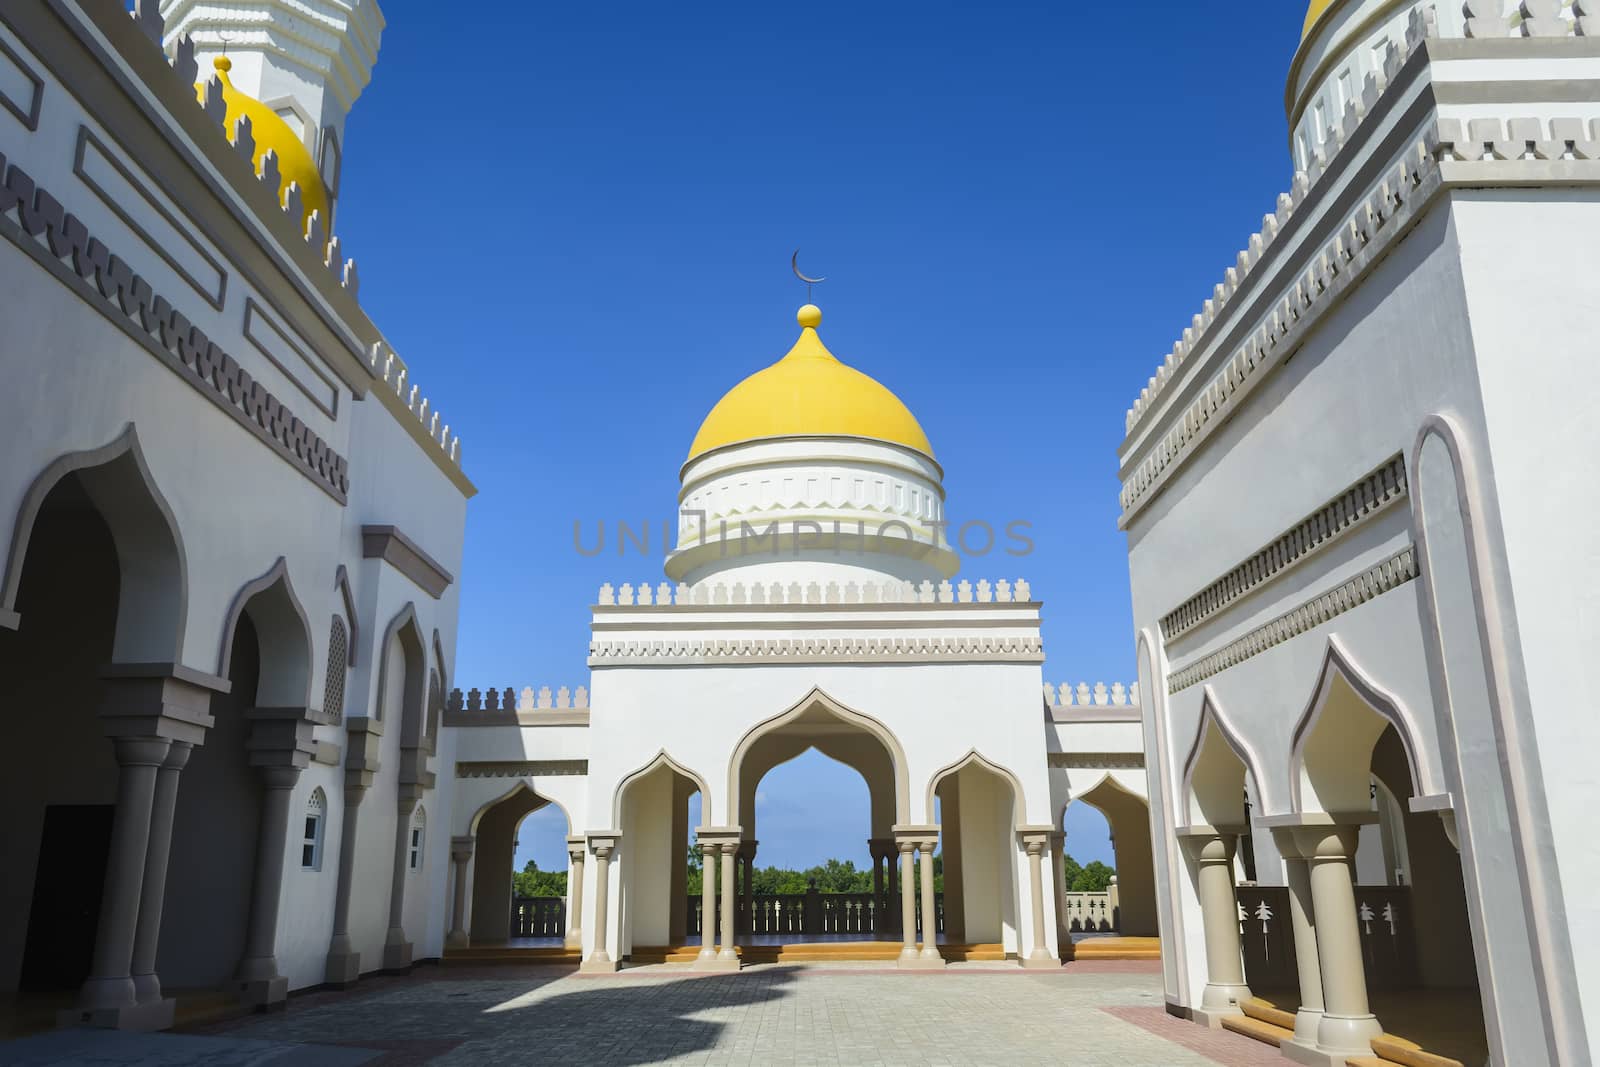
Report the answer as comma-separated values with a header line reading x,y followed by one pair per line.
x,y
651,807
95,575
977,818
495,832
1132,901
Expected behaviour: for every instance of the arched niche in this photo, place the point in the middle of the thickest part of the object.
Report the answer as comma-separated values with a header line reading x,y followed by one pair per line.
x,y
282,635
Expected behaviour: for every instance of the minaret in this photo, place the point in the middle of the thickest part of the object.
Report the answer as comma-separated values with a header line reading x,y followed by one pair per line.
x,y
308,62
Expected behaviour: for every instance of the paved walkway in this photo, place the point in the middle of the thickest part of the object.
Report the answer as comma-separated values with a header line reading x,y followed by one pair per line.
x,y
1086,1015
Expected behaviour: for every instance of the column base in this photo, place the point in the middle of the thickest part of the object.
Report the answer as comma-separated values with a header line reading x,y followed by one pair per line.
x,y
1297,1052
574,939
459,939
716,965
397,956
264,994
920,963
1041,963
146,988
156,1015
344,969
595,965
1217,1002
1347,1035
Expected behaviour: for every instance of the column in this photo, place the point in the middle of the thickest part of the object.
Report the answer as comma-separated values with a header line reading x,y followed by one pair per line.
x,y
708,902
1039,955
908,903
147,938
600,959
344,962
109,990
930,917
1303,921
880,921
1058,880
575,851
1347,1026
893,871
1212,851
726,953
260,984
396,949
460,855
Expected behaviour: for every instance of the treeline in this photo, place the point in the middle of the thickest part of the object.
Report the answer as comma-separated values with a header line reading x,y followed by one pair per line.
x,y
834,876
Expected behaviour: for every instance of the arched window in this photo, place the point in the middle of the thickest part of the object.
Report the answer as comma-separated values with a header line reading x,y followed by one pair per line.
x,y
419,823
311,844
338,657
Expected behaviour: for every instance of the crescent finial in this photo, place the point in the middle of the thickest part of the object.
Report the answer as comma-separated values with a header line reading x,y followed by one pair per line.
x,y
794,263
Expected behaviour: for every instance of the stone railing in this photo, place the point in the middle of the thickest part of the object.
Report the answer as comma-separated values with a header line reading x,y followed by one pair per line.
x,y
1083,695
666,594
1089,913
508,700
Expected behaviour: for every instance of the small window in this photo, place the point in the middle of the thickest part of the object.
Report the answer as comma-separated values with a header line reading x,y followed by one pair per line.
x,y
338,665
418,823
311,842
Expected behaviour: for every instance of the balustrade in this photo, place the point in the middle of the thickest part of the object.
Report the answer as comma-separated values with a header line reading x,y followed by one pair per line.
x,y
1090,913
1384,915
814,913
538,917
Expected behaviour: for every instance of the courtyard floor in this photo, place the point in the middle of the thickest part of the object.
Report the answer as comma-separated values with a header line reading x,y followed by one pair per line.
x,y
1087,1014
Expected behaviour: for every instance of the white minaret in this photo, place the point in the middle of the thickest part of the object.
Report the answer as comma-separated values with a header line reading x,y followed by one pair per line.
x,y
308,61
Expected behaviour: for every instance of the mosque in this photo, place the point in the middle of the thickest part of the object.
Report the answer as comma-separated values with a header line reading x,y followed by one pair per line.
x,y
1347,790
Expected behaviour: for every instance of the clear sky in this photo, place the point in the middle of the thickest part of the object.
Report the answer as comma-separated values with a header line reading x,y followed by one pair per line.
x,y
574,222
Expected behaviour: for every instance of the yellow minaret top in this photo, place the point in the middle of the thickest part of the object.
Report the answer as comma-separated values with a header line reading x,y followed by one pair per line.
x,y
273,134
1317,9
809,393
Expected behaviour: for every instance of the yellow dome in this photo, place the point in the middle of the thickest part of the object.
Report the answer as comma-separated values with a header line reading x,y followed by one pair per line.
x,y
273,134
1317,9
809,393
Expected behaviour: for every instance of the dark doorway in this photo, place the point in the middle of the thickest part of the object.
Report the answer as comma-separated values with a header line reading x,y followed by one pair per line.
x,y
67,886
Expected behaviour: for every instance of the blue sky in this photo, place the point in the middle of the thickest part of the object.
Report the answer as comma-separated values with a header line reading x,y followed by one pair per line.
x,y
574,222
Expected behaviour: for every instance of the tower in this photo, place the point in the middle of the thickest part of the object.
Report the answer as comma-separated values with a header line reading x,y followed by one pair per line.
x,y
307,63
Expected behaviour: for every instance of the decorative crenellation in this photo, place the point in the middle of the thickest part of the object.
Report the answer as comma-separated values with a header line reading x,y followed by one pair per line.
x,y
1096,761
1370,495
509,700
387,365
1392,573
1423,26
1387,211
550,768
667,652
1483,18
740,594
1099,695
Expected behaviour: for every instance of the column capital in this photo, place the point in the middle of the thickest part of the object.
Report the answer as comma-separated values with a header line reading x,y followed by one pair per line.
x,y
718,836
461,848
1035,836
1321,844
602,842
879,847
1209,844
917,833
576,848
278,776
141,751
280,736
747,849
1058,838
158,700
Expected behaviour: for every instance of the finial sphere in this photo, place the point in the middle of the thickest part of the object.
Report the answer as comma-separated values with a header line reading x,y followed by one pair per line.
x,y
222,63
809,316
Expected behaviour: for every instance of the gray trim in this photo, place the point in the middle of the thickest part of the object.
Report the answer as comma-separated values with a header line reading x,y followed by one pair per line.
x,y
391,545
1096,761
1512,47
1549,91
787,625
517,719
85,139
253,312
524,769
1507,694
341,581
28,116
201,679
737,652
126,443
1067,714
1368,496
1376,580
230,396
277,574
1211,715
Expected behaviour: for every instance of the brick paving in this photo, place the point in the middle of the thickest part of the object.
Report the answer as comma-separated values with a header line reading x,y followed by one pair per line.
x,y
1084,1015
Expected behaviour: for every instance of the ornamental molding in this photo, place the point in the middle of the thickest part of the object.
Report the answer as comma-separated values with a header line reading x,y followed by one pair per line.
x,y
795,594
1097,761
729,651
523,769
1391,573
1368,497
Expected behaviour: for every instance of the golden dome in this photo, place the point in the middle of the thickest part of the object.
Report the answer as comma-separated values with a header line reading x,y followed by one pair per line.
x,y
809,393
1317,9
273,134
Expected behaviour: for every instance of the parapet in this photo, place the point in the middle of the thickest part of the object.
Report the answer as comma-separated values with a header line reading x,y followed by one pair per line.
x,y
739,594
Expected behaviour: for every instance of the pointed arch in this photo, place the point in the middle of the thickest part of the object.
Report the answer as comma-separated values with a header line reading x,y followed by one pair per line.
x,y
814,704
1329,762
661,759
153,596
974,758
413,696
1207,777
514,793
352,620
283,633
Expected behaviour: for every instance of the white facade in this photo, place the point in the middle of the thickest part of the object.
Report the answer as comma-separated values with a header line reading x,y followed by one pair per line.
x,y
215,472
1355,497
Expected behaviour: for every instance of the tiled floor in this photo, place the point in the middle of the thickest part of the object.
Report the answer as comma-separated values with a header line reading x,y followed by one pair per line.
x,y
1084,1015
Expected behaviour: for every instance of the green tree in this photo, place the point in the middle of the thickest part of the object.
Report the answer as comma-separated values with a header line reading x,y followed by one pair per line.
x,y
532,882
1093,878
1071,869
